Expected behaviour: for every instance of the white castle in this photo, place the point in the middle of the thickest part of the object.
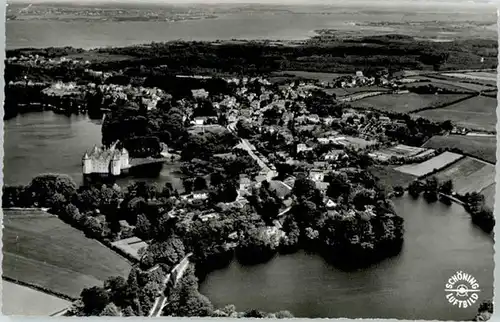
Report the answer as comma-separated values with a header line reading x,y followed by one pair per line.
x,y
105,161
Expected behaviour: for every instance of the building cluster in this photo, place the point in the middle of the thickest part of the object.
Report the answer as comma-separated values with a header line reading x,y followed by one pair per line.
x,y
41,61
281,112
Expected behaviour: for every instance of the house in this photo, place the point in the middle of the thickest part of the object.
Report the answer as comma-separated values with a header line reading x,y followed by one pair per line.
x,y
290,181
317,175
282,190
125,225
200,195
303,147
330,204
199,93
209,216
199,121
384,119
313,118
359,73
332,155
202,120
323,140
322,186
245,183
320,164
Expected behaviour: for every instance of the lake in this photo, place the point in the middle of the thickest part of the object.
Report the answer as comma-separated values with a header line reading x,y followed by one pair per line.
x,y
439,241
47,142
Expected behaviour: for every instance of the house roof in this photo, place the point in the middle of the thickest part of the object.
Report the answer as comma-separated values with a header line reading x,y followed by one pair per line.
x,y
322,185
197,192
281,189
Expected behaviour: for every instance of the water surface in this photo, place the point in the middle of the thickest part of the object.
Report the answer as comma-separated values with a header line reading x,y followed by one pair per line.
x,y
439,241
46,142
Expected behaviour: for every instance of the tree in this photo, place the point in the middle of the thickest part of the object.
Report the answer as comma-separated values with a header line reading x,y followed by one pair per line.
x,y
143,227
199,184
339,186
14,196
415,188
170,251
362,198
216,179
188,184
399,190
94,299
284,315
72,212
304,188
43,187
110,310
446,187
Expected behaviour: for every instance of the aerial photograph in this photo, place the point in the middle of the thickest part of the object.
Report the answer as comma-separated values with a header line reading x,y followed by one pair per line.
x,y
250,159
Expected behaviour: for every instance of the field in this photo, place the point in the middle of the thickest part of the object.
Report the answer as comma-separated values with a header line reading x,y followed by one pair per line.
x,y
450,81
322,77
50,254
436,163
93,57
477,113
389,177
398,151
444,86
489,195
22,300
482,77
481,147
355,142
211,128
405,103
343,92
468,175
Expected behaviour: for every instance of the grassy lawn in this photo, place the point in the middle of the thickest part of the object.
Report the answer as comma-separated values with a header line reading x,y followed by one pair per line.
x,y
96,57
446,80
480,77
322,77
405,103
48,253
389,177
468,175
444,86
436,163
475,113
22,300
481,147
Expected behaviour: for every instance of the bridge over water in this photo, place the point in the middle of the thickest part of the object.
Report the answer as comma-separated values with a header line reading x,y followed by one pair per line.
x,y
135,162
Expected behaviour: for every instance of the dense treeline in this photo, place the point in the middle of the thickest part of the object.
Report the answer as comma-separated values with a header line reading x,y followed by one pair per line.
x,y
474,202
253,57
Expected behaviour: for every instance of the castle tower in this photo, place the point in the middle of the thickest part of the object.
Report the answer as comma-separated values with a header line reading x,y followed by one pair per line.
x,y
115,165
87,164
125,158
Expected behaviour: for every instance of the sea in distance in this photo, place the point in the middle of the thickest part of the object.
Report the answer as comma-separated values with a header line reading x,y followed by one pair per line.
x,y
284,23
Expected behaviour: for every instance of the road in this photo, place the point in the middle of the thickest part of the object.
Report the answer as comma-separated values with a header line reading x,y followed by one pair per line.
x,y
244,144
161,300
